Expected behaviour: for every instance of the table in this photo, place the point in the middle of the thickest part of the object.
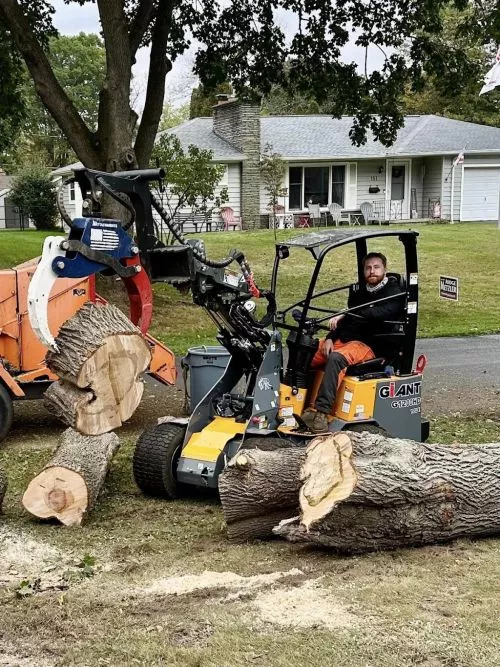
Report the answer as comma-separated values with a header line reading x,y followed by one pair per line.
x,y
354,216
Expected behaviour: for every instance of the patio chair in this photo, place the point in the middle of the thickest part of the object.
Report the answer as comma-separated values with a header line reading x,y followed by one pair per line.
x,y
314,213
369,215
230,220
335,212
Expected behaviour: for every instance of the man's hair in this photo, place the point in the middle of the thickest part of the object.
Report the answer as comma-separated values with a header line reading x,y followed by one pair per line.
x,y
375,255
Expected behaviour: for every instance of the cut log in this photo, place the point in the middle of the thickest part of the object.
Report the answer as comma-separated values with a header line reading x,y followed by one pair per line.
x,y
364,492
100,361
260,488
68,486
3,486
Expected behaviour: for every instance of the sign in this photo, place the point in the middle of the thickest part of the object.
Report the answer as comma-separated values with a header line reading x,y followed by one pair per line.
x,y
448,288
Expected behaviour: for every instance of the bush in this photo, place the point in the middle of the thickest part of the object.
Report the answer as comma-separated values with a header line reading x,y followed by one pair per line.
x,y
35,195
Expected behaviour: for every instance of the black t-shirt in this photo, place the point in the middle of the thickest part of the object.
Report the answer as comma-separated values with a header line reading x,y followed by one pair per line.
x,y
373,314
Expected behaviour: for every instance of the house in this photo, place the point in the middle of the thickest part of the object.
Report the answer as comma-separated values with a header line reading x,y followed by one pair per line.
x,y
9,215
437,168
414,178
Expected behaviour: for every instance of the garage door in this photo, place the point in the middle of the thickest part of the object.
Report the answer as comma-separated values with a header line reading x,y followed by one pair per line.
x,y
480,194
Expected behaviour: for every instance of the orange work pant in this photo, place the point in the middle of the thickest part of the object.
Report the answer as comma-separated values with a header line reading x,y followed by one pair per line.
x,y
335,366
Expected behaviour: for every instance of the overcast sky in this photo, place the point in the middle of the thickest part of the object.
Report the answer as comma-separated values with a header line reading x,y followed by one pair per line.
x,y
72,19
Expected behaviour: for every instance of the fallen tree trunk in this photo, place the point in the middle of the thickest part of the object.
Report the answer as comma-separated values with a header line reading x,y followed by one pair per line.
x,y
3,486
259,488
100,361
363,492
69,485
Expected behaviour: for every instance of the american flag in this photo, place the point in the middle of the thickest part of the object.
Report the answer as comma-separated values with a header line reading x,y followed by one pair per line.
x,y
104,239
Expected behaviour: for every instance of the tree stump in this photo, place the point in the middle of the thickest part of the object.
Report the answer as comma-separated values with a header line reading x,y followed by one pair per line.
x,y
260,488
100,361
363,492
3,486
68,486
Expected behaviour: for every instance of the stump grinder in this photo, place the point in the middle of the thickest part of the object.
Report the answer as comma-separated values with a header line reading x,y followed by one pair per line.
x,y
258,400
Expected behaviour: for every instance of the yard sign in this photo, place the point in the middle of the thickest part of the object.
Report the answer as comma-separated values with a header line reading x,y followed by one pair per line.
x,y
448,288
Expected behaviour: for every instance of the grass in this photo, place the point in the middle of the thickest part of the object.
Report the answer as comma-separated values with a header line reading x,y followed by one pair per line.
x,y
468,251
394,608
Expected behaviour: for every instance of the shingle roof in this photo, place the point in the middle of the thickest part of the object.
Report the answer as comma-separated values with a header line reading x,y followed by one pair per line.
x,y
324,137
199,131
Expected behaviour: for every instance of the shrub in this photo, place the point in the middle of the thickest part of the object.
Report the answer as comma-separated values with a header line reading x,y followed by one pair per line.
x,y
35,195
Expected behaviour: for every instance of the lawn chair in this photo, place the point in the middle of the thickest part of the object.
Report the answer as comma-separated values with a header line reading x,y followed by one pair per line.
x,y
369,215
230,220
314,213
335,212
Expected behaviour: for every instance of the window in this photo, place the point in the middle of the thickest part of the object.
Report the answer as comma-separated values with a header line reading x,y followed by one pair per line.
x,y
72,191
338,185
316,185
398,182
312,185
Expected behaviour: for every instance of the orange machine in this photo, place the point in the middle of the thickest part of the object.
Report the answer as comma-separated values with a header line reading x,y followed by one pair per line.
x,y
23,374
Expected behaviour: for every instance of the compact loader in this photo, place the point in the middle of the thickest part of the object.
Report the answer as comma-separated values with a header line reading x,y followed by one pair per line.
x,y
257,398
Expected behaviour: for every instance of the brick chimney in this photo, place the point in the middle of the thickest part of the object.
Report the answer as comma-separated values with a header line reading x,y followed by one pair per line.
x,y
238,123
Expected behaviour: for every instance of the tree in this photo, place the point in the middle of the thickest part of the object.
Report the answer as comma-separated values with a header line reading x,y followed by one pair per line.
x,y
241,42
203,99
273,170
462,104
173,116
192,178
35,195
79,63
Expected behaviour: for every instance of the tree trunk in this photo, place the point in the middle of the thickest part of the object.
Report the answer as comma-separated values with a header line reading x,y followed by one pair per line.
x,y
256,494
3,486
100,361
363,492
70,483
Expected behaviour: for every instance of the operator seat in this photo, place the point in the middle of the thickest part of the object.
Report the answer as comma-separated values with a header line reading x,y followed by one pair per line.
x,y
389,344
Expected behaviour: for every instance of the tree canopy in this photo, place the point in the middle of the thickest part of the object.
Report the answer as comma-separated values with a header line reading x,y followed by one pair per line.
x,y
242,42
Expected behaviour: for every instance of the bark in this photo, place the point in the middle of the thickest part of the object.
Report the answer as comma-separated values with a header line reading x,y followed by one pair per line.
x,y
256,494
100,361
3,486
69,485
363,492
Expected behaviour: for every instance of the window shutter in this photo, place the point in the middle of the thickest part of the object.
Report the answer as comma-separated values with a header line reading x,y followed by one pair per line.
x,y
352,186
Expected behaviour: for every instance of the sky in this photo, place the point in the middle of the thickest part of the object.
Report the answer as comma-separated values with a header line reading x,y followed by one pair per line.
x,y
72,19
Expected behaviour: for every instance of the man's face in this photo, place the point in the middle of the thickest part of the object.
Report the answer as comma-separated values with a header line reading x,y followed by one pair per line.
x,y
374,271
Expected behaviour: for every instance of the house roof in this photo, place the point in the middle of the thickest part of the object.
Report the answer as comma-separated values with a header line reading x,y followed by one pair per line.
x,y
199,131
323,137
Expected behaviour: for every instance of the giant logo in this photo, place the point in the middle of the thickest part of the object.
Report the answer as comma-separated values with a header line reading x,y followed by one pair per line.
x,y
405,389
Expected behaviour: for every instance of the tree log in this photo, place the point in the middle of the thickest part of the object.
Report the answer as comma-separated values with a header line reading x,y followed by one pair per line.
x,y
364,492
100,361
70,483
260,488
3,486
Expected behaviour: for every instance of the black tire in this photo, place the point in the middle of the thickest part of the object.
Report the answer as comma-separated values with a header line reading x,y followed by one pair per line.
x,y
367,428
6,411
155,460
267,443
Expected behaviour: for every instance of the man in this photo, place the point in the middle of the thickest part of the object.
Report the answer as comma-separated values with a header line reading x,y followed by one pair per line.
x,y
351,339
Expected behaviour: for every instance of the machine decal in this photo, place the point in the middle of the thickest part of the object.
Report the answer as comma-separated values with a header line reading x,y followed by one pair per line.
x,y
413,278
407,403
406,389
264,384
412,307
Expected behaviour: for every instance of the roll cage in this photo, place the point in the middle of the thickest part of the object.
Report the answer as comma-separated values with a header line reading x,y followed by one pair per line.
x,y
309,318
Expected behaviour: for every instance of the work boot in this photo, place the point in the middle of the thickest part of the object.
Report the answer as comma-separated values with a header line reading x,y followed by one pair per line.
x,y
320,422
308,417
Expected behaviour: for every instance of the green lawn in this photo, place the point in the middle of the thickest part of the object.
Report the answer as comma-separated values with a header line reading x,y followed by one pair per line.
x,y
469,251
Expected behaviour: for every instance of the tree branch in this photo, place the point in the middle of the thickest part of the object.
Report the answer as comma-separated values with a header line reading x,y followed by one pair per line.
x,y
52,95
159,66
138,26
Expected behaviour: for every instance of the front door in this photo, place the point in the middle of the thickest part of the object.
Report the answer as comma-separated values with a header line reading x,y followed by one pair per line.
x,y
398,189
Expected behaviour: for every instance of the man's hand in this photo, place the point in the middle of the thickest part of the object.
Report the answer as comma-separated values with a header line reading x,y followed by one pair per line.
x,y
334,321
328,347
